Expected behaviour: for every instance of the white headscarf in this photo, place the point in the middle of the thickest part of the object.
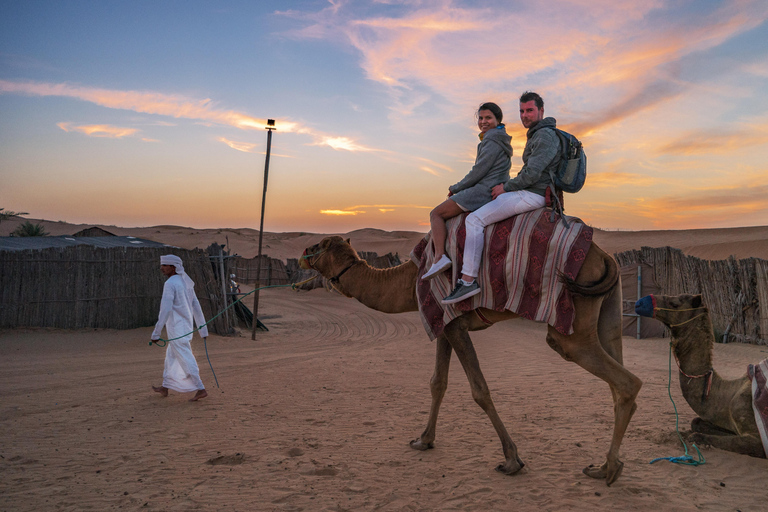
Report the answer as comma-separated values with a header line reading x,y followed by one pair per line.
x,y
172,259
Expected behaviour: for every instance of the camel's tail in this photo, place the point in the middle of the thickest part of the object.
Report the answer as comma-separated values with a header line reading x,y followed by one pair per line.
x,y
599,288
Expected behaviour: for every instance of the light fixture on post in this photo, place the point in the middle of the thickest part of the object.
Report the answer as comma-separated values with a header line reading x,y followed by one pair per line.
x,y
256,324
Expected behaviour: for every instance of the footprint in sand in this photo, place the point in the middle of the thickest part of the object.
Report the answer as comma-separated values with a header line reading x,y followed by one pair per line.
x,y
228,460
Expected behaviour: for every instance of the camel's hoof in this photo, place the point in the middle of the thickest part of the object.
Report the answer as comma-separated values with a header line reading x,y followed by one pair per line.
x,y
511,467
416,444
604,472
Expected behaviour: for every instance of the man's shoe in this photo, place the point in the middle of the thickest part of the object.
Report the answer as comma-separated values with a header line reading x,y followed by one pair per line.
x,y
461,292
440,265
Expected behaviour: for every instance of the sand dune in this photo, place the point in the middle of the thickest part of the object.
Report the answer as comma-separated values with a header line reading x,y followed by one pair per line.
x,y
711,244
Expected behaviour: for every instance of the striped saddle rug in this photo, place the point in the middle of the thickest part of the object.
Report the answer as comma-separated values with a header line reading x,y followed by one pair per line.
x,y
521,260
759,375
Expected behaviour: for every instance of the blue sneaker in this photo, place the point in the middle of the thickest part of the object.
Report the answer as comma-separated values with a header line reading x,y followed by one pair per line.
x,y
461,292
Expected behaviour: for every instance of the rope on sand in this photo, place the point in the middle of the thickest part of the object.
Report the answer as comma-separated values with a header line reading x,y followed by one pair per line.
x,y
686,459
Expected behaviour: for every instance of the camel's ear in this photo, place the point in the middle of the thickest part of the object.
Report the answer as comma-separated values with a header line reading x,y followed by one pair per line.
x,y
696,301
347,240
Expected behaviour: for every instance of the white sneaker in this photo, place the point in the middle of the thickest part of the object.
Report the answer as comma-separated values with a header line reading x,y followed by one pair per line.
x,y
440,265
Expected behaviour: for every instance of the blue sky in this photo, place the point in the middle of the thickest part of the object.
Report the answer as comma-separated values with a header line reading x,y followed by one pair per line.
x,y
147,113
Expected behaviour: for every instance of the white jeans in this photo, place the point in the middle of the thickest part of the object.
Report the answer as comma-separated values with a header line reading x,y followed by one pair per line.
x,y
504,206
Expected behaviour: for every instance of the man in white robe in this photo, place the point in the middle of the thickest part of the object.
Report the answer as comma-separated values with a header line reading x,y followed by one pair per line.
x,y
179,309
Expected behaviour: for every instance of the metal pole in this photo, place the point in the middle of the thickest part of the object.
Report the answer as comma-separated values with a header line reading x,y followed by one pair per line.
x,y
270,127
639,294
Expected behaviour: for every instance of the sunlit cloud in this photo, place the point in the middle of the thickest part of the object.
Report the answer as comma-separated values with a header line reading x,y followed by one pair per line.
x,y
342,143
245,147
709,141
618,57
383,208
203,111
615,179
741,205
340,212
390,206
99,130
248,147
430,171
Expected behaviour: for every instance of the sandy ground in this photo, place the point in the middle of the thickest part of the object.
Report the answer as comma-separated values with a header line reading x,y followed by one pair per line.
x,y
316,414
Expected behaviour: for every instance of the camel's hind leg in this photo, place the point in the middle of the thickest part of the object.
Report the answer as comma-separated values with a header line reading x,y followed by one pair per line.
x,y
437,384
586,351
609,326
457,335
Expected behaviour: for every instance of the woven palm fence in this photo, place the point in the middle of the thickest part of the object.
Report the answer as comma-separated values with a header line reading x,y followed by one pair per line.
x,y
271,272
90,287
735,291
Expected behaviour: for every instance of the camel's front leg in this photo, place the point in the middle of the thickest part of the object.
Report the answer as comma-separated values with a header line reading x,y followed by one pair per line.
x,y
459,339
438,384
706,433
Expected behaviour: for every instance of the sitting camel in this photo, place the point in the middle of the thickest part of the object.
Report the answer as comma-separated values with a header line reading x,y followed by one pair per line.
x,y
595,343
726,418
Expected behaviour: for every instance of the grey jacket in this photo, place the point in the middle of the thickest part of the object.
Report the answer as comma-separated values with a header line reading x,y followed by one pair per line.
x,y
491,167
541,154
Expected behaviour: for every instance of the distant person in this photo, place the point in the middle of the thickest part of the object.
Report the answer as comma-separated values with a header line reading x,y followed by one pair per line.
x,y
523,193
179,309
491,168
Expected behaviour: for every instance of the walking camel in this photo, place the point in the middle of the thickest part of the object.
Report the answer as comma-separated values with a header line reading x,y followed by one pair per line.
x,y
726,418
595,343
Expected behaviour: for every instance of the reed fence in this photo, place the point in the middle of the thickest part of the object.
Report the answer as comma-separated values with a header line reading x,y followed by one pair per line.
x,y
735,291
90,287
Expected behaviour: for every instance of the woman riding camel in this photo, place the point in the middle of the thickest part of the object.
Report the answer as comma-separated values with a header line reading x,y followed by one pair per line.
x,y
491,168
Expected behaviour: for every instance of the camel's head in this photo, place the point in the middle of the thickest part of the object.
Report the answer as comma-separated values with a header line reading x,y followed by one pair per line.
x,y
671,310
328,257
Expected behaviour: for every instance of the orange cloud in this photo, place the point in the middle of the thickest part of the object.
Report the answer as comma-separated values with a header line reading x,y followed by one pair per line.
x,y
715,206
614,179
711,142
344,143
174,106
99,130
245,147
339,212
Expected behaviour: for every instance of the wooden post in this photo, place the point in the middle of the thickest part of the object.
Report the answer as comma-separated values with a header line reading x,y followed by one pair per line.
x,y
269,128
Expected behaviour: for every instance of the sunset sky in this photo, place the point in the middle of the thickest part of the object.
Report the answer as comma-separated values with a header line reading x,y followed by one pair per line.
x,y
139,113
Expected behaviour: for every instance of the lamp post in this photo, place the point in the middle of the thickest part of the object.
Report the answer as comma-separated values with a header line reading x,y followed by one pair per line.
x,y
270,126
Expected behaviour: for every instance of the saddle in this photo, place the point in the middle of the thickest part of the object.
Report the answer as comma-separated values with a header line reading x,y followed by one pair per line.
x,y
522,260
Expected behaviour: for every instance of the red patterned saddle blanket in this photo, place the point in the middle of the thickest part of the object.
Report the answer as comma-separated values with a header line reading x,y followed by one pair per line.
x,y
521,262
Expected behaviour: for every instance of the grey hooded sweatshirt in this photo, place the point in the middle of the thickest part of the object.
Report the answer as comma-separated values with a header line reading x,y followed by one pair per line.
x,y
491,167
541,153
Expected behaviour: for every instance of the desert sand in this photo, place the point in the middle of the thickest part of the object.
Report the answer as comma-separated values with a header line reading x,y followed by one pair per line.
x,y
317,413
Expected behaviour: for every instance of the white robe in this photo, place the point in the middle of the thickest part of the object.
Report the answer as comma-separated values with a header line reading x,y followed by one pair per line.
x,y
179,308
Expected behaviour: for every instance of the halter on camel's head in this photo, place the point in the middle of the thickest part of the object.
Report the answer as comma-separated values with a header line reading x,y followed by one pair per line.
x,y
647,307
314,254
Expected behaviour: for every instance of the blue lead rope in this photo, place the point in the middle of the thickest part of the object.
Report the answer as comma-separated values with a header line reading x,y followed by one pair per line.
x,y
686,459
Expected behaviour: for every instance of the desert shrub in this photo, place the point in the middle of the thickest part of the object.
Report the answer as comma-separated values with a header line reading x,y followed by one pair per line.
x,y
29,229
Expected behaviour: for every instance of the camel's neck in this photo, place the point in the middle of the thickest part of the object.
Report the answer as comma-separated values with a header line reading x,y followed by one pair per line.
x,y
694,347
391,290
